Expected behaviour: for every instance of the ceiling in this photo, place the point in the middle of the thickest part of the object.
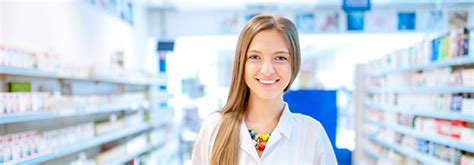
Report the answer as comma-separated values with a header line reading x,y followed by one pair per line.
x,y
282,4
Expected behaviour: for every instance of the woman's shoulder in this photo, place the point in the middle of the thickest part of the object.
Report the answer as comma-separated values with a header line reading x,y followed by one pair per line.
x,y
211,121
307,122
205,139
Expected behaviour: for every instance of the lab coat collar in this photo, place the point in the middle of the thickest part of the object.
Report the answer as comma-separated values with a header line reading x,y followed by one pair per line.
x,y
286,123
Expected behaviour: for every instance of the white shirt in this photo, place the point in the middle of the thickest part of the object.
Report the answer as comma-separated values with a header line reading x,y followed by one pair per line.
x,y
296,139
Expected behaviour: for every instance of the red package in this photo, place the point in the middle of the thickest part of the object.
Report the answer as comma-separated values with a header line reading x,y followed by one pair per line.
x,y
456,128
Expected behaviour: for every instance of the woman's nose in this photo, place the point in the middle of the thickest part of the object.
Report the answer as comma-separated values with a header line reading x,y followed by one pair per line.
x,y
267,68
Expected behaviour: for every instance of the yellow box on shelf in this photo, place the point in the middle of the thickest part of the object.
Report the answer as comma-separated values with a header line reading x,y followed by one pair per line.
x,y
109,126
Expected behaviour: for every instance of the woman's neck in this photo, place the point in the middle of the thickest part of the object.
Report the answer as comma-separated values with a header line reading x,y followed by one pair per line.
x,y
262,115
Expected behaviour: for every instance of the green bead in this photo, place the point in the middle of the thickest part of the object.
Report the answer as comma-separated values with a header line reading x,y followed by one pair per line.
x,y
253,132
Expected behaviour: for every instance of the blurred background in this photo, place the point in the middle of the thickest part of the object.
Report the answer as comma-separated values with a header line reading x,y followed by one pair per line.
x,y
130,81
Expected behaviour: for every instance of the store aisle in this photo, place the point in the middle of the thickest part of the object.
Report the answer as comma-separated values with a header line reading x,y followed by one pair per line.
x,y
131,81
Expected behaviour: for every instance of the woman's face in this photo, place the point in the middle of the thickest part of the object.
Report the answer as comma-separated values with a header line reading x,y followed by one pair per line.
x,y
267,69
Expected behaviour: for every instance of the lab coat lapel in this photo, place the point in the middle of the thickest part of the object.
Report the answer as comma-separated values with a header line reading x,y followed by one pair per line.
x,y
246,142
283,129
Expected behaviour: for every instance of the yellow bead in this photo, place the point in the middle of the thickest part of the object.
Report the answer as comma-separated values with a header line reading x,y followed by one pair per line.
x,y
265,137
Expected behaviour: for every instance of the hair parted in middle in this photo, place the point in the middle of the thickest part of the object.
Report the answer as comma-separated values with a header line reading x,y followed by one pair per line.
x,y
226,146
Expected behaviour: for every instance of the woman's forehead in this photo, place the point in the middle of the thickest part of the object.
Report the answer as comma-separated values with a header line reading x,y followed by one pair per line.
x,y
269,41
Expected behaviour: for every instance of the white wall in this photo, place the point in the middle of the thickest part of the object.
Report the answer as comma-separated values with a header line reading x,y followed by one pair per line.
x,y
171,24
212,22
336,68
74,30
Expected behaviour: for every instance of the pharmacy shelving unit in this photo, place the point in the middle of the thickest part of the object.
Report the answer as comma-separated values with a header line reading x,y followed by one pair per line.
x,y
126,107
79,111
421,112
437,139
125,159
438,64
446,89
372,154
54,75
364,104
87,144
425,158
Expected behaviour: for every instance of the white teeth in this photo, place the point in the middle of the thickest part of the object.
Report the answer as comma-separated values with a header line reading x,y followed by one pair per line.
x,y
267,81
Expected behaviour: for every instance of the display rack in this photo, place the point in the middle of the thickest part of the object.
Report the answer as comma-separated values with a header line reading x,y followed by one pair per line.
x,y
446,89
425,158
385,121
126,158
438,64
421,112
372,154
144,105
87,144
107,79
15,118
433,138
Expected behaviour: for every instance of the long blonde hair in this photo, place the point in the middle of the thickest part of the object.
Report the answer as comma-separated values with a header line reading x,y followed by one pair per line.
x,y
226,145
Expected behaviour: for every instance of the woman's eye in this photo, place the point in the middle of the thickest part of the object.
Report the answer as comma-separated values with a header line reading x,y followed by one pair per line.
x,y
254,57
281,58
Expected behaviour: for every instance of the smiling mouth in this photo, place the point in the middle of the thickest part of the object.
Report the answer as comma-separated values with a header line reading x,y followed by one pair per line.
x,y
268,82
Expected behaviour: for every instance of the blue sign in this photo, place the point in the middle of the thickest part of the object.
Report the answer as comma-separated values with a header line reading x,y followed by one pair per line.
x,y
355,21
406,21
165,46
356,5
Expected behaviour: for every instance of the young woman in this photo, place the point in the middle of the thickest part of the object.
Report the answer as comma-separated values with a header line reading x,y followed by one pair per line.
x,y
256,125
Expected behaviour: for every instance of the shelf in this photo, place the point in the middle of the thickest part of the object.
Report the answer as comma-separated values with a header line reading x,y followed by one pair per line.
x,y
432,138
422,112
372,154
15,118
123,160
85,144
424,158
54,75
447,89
438,64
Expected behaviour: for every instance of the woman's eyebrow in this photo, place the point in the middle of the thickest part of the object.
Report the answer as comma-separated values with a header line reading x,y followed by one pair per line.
x,y
255,51
281,52
277,52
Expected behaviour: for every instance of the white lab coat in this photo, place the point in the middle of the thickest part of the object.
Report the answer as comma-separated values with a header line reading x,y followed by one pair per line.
x,y
296,139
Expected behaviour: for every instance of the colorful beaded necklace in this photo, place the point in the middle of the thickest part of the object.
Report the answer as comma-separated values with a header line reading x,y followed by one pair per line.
x,y
259,140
